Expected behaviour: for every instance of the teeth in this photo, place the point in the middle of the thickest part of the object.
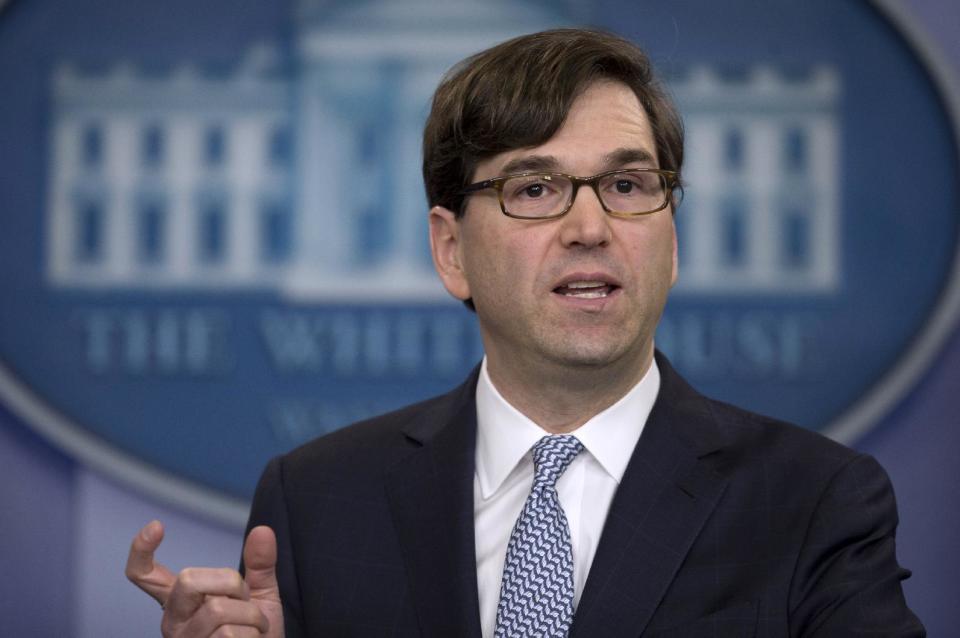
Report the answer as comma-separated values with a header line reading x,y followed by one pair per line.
x,y
585,289
588,294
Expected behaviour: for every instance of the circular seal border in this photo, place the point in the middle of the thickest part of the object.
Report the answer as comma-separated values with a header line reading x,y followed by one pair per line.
x,y
866,412
894,385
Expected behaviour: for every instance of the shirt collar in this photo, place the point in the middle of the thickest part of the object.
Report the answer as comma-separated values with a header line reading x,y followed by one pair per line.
x,y
505,435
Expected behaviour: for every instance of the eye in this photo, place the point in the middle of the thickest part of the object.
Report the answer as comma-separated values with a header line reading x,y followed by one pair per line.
x,y
530,187
533,190
632,184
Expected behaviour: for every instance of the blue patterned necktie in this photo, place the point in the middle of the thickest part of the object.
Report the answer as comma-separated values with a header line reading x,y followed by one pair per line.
x,y
536,595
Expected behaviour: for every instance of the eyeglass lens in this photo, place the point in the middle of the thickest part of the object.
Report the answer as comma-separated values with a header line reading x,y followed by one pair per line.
x,y
630,192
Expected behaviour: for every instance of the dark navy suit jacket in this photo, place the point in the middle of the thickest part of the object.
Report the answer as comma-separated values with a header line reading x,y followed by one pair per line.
x,y
726,523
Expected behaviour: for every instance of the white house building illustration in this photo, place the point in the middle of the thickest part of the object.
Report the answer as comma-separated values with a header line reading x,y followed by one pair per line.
x,y
303,176
182,181
762,211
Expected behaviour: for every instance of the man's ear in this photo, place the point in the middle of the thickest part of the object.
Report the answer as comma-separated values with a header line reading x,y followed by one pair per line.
x,y
446,248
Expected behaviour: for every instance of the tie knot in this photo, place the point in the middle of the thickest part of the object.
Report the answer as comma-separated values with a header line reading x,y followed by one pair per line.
x,y
551,456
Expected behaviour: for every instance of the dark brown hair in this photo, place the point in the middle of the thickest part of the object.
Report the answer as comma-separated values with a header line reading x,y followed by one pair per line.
x,y
517,95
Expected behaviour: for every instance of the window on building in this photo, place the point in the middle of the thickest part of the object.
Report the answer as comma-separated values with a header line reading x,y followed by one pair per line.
x,y
151,223
796,150
275,232
796,238
88,240
212,233
733,149
733,249
152,146
214,146
91,146
280,147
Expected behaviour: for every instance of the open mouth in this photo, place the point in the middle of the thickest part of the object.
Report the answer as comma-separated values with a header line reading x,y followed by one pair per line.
x,y
586,289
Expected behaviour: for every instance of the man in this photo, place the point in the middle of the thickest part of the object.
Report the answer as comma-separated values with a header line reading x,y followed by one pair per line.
x,y
551,163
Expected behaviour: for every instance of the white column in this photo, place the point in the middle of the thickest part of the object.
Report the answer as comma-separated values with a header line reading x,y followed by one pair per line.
x,y
62,229
706,178
325,146
409,203
246,159
181,169
825,227
122,166
764,168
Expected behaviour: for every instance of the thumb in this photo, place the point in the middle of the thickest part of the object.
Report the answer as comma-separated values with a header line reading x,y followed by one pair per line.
x,y
142,570
260,563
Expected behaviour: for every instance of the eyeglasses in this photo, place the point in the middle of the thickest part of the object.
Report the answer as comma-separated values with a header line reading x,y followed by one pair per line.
x,y
626,192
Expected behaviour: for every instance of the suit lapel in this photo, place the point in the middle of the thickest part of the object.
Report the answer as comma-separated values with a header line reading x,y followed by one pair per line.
x,y
431,499
667,493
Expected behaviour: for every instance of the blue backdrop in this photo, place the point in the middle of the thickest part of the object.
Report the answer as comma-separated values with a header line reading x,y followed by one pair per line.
x,y
65,526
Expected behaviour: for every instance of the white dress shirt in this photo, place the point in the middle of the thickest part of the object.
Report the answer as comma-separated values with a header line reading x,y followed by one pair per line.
x,y
504,476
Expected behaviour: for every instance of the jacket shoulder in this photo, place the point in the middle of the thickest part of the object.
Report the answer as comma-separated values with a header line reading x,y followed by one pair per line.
x,y
758,433
708,425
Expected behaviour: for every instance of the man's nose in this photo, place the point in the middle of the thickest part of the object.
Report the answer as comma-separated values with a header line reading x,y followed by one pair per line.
x,y
586,224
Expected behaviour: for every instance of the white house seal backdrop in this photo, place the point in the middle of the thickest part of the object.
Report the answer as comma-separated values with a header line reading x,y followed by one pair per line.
x,y
214,232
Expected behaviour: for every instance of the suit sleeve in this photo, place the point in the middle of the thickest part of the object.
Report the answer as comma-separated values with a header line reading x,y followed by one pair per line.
x,y
270,508
847,579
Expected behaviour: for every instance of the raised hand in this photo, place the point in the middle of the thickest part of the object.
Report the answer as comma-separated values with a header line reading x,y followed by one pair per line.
x,y
210,602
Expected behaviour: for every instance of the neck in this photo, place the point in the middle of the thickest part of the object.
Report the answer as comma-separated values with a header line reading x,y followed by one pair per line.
x,y
561,398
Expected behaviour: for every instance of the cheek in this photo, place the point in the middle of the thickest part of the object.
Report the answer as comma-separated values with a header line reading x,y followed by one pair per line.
x,y
502,269
654,256
482,261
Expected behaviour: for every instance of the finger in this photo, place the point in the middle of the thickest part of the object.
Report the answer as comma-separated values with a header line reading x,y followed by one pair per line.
x,y
218,611
142,570
260,561
145,543
194,584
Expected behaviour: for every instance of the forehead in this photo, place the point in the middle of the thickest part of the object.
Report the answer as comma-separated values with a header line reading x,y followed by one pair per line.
x,y
605,126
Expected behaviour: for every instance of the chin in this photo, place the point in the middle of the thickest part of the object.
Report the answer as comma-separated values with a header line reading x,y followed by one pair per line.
x,y
587,355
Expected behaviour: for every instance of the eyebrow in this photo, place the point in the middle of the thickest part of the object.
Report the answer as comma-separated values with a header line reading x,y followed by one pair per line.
x,y
530,163
623,156
549,163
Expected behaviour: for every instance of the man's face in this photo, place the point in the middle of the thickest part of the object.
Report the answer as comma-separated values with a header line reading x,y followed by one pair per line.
x,y
586,289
